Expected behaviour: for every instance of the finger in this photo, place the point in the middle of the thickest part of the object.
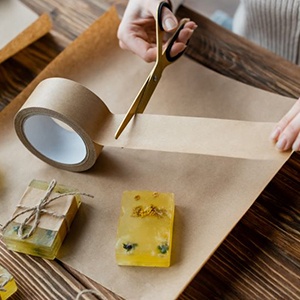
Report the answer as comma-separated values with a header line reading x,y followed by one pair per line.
x,y
143,49
284,122
135,38
169,21
289,134
148,55
177,48
286,132
183,38
185,34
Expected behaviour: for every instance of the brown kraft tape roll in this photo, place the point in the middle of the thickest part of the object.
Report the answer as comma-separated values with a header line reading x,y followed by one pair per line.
x,y
66,125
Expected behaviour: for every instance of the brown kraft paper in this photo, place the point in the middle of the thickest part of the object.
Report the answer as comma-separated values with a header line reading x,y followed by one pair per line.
x,y
19,27
212,191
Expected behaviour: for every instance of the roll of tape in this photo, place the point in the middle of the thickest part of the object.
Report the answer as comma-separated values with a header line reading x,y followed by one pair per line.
x,y
58,122
66,125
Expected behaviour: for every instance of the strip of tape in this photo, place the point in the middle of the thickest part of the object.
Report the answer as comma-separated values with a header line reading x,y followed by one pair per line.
x,y
66,125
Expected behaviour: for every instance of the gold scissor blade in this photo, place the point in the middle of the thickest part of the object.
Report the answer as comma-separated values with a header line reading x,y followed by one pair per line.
x,y
132,110
152,82
162,60
142,99
124,123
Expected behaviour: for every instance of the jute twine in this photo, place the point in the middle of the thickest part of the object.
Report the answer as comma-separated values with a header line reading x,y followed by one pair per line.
x,y
93,292
39,209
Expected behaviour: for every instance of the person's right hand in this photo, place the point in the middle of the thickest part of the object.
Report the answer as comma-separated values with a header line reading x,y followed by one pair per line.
x,y
137,29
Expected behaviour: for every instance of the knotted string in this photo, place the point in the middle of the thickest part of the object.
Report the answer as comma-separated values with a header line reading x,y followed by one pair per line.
x,y
39,209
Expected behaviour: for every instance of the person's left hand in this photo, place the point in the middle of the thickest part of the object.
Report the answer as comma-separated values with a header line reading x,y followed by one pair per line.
x,y
286,134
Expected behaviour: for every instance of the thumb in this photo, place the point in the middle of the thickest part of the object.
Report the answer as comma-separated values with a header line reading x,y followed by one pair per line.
x,y
169,20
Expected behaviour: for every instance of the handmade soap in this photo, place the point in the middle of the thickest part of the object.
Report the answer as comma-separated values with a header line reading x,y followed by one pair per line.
x,y
53,223
7,284
145,229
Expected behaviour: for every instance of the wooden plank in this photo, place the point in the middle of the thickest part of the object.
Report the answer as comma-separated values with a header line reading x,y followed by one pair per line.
x,y
39,279
240,59
69,19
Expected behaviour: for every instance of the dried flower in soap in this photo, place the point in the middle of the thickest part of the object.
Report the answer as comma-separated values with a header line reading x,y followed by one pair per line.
x,y
152,210
129,246
163,249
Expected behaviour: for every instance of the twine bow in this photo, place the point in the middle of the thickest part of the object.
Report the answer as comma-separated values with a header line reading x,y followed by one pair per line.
x,y
39,209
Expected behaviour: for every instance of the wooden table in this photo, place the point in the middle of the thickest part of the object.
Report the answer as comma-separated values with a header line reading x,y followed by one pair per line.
x,y
260,259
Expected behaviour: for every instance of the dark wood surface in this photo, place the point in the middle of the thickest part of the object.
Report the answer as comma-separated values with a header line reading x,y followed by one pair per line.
x,y
260,259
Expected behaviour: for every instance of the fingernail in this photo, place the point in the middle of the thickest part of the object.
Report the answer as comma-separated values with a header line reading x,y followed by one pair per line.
x,y
275,133
282,143
169,24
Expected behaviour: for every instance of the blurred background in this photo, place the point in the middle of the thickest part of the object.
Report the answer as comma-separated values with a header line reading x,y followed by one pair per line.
x,y
208,7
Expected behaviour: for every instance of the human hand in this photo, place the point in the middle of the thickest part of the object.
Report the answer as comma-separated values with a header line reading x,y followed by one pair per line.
x,y
137,29
286,134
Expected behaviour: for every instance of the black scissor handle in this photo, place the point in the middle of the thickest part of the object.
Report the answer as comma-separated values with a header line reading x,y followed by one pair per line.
x,y
159,13
174,37
171,43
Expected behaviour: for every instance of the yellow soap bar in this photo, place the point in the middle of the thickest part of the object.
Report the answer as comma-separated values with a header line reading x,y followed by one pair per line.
x,y
53,226
7,284
145,229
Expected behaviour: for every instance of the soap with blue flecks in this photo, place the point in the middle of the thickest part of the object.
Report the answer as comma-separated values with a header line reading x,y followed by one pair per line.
x,y
145,229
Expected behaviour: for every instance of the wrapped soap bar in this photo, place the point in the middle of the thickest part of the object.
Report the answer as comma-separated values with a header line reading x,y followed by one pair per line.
x,y
145,229
7,284
42,219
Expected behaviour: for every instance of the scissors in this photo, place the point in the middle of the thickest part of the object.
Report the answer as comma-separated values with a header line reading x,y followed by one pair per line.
x,y
163,59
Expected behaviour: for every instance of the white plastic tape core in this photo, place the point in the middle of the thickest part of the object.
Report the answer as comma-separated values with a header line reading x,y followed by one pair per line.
x,y
54,141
